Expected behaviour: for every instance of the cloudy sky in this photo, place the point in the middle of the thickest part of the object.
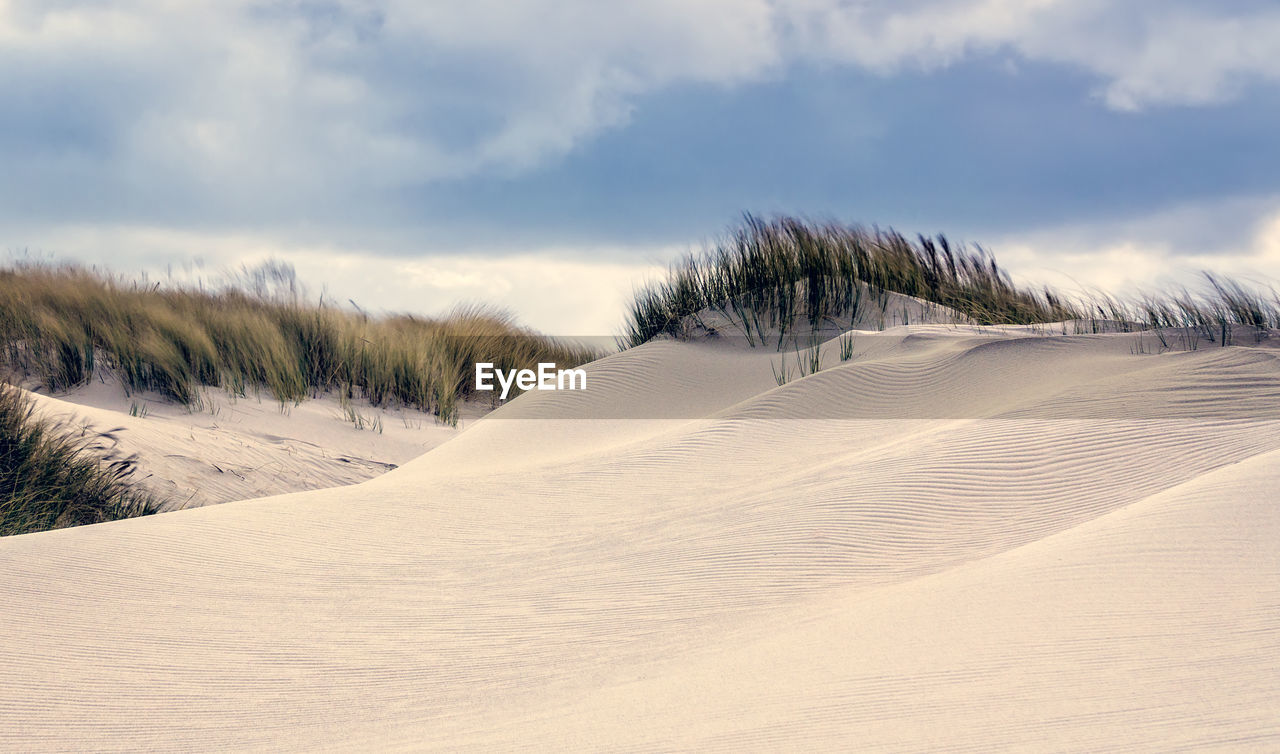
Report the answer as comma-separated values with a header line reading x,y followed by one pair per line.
x,y
547,155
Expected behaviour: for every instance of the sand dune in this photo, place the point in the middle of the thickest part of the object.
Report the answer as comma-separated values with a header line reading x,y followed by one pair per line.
x,y
228,448
965,538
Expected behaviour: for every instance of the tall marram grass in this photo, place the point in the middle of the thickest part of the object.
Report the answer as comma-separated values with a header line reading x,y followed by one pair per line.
x,y
776,274
60,324
50,478
788,270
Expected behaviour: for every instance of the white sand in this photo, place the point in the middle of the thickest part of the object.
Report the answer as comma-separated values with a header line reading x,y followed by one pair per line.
x,y
961,539
235,448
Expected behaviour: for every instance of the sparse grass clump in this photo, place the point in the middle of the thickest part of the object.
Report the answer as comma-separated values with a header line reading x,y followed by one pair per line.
x,y
781,372
812,363
51,479
60,324
846,346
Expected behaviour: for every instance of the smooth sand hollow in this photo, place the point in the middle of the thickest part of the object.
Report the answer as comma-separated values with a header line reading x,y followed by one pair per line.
x,y
962,538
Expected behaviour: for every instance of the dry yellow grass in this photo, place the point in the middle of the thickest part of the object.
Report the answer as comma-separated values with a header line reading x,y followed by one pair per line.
x,y
59,324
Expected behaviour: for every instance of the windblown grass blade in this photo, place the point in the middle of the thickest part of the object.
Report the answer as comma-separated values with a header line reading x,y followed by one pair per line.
x,y
51,479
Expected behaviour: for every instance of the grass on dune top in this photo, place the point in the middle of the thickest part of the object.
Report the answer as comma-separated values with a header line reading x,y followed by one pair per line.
x,y
776,274
59,324
50,479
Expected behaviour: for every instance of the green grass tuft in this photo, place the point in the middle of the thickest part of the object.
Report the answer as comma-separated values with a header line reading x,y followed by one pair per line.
x,y
51,479
846,346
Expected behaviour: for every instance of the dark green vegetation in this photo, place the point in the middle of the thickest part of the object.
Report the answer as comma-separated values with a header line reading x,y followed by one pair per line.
x,y
774,275
59,324
51,478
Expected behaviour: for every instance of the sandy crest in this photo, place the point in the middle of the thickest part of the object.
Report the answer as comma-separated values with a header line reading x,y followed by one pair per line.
x,y
963,538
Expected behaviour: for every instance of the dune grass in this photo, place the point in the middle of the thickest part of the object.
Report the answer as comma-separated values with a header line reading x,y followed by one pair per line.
x,y
50,479
846,346
774,275
777,273
61,323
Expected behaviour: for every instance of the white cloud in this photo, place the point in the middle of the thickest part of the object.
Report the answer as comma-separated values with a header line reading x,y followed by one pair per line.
x,y
1163,250
1170,56
1144,53
283,94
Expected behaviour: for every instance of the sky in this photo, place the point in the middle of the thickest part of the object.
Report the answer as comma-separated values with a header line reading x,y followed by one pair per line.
x,y
548,156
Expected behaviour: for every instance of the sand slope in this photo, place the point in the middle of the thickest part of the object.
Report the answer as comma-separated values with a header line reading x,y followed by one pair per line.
x,y
230,448
963,538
